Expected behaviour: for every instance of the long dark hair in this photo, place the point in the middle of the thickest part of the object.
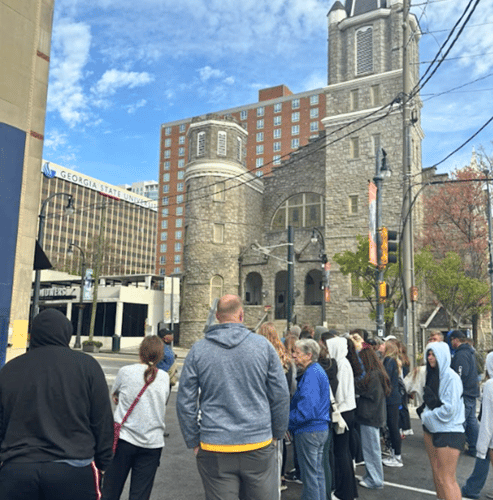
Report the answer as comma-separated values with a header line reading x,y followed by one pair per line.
x,y
371,362
151,353
352,357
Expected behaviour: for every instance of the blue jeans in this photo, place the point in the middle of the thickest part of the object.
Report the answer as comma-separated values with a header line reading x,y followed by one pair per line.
x,y
370,442
471,425
310,448
477,479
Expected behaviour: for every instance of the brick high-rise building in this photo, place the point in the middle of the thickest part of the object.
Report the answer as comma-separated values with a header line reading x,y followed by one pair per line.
x,y
278,124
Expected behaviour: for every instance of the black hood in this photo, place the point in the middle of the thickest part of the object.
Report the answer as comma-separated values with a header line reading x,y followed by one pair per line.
x,y
50,327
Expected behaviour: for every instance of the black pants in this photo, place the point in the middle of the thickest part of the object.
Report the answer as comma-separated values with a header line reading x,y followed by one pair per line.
x,y
46,480
393,426
142,461
345,482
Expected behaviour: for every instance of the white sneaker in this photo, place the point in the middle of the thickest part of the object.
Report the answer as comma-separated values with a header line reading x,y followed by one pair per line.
x,y
392,462
366,485
408,432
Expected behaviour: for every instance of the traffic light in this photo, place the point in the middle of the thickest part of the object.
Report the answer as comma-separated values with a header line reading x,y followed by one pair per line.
x,y
382,291
388,246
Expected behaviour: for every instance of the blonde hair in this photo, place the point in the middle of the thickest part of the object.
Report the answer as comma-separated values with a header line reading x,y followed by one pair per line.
x,y
268,330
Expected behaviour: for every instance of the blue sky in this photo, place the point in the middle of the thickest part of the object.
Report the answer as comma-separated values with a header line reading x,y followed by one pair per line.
x,y
121,68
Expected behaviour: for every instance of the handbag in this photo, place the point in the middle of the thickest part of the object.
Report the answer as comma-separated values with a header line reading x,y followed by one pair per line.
x,y
118,426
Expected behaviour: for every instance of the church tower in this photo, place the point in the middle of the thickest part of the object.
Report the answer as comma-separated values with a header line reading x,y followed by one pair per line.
x,y
364,113
223,204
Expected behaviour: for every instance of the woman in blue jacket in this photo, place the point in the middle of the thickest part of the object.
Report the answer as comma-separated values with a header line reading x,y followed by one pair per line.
x,y
443,419
309,418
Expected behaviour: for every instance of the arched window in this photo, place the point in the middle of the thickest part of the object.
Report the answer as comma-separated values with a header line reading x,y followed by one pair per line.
x,y
217,283
281,294
313,288
301,210
364,50
253,289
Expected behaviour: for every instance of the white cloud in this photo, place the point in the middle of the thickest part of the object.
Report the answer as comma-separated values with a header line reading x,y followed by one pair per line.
x,y
229,80
206,73
132,108
113,79
69,55
54,139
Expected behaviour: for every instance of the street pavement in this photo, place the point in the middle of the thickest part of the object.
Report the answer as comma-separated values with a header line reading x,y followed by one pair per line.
x,y
177,477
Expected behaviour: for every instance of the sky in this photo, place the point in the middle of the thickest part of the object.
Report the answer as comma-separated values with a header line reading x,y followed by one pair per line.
x,y
121,68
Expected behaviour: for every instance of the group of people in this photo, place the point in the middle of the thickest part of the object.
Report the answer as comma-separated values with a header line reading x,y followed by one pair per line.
x,y
242,399
57,434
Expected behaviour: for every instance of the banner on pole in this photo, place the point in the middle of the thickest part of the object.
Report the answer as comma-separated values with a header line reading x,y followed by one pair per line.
x,y
372,217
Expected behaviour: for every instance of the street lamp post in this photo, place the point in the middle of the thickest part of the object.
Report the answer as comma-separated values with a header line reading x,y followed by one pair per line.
x,y
69,210
317,237
70,251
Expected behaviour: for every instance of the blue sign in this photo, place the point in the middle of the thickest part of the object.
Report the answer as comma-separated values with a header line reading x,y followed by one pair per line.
x,y
47,172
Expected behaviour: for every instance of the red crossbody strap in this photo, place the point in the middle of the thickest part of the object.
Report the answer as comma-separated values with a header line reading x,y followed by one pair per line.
x,y
132,406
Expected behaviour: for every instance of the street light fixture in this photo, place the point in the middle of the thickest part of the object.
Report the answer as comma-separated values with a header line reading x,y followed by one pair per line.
x,y
69,210
70,251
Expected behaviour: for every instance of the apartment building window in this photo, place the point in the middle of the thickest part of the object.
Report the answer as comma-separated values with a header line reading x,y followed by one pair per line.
x,y
243,114
259,173
179,223
181,151
181,174
200,143
260,136
166,177
167,153
164,224
163,248
260,123
295,104
239,148
313,126
165,200
221,143
167,143
295,143
218,233
260,149
259,162
354,99
164,236
375,95
314,113
219,191
180,186
181,163
313,100
375,139
183,128
181,139
277,146
179,198
177,259
277,121
164,212
295,130
165,188
179,210
166,165
364,50
277,133
295,117
278,107
178,247
162,259
353,204
354,147
167,131
260,111
276,159
178,235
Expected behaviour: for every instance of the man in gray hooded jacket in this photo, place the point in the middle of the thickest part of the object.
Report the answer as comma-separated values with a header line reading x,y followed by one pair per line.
x,y
235,379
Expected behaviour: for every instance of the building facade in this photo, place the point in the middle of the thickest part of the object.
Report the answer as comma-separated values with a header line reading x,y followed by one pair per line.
x,y
148,189
127,221
25,39
320,190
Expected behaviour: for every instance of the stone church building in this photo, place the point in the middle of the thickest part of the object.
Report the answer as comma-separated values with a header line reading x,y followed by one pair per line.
x,y
236,227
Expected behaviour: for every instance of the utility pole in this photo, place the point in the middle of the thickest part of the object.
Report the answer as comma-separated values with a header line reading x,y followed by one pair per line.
x,y
490,249
290,294
378,180
407,232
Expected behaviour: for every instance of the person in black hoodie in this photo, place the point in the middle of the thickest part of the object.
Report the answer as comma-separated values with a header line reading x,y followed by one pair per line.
x,y
56,424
